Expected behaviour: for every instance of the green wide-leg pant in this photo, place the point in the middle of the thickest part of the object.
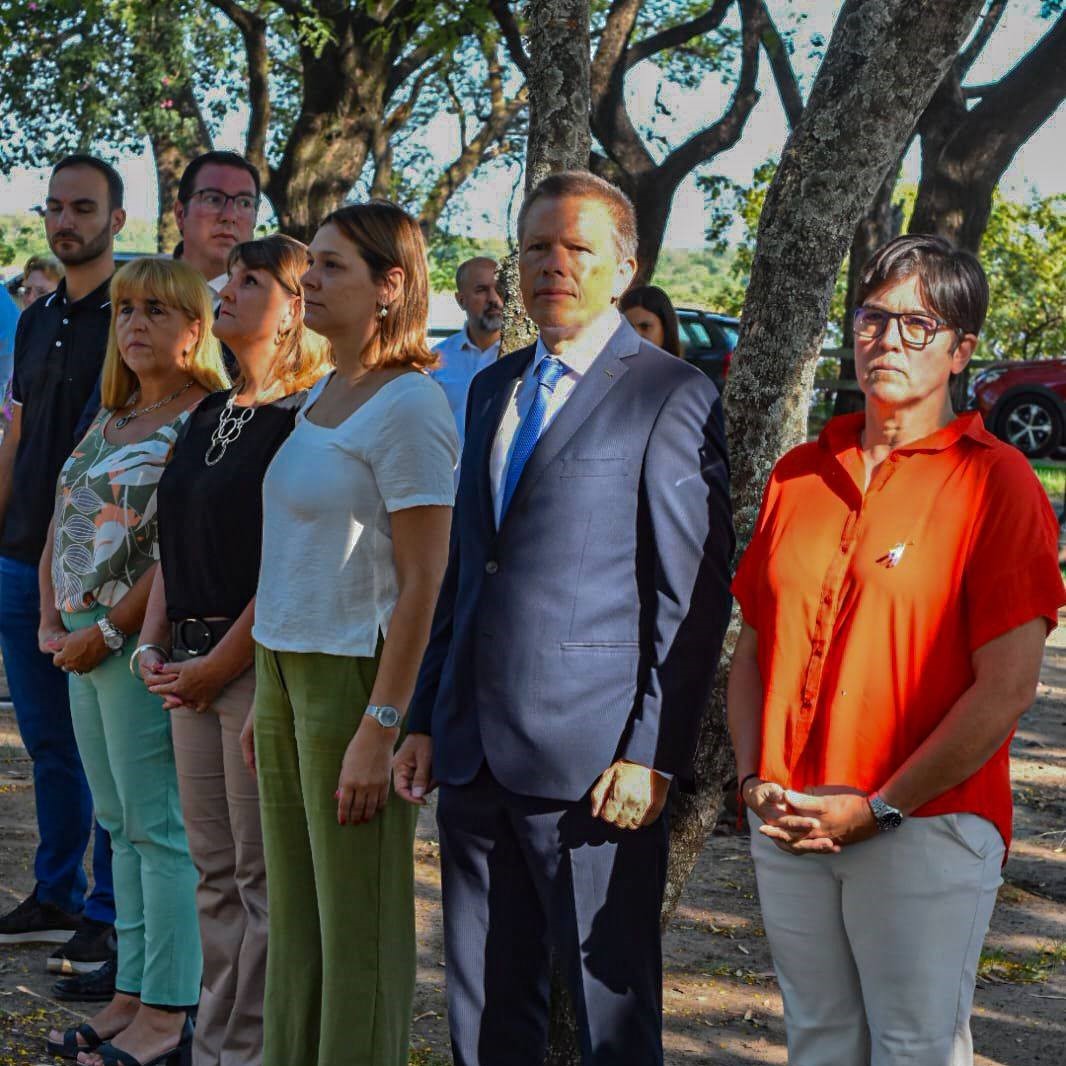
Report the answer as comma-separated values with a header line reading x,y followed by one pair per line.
x,y
123,736
341,941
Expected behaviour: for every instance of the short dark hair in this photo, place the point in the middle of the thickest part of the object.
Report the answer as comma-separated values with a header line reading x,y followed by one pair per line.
x,y
653,299
115,189
951,279
460,270
586,185
222,158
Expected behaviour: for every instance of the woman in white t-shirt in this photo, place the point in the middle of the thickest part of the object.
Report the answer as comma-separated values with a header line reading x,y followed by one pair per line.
x,y
357,509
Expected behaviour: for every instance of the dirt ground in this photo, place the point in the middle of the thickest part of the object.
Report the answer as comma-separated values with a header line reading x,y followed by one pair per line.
x,y
721,1001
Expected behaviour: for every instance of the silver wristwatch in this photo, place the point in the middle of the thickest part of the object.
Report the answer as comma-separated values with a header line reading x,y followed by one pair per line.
x,y
386,716
114,638
886,816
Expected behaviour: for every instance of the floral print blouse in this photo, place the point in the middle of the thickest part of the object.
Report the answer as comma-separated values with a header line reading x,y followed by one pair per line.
x,y
106,534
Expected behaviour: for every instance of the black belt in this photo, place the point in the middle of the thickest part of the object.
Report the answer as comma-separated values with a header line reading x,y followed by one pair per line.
x,y
192,637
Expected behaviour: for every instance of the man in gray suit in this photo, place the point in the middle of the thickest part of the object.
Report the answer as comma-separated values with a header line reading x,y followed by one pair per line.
x,y
572,652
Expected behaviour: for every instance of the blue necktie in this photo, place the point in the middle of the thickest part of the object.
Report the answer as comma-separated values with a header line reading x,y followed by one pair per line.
x,y
548,373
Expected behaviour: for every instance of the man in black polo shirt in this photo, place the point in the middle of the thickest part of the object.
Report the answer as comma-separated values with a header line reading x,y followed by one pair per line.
x,y
59,350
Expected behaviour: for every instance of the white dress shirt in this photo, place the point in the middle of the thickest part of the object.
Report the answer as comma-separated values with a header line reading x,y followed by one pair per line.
x,y
577,361
460,360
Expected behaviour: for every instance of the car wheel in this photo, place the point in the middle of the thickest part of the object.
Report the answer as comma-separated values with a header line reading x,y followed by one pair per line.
x,y
1031,423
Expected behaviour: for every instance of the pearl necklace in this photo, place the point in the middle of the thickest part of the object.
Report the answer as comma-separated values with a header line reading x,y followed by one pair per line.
x,y
228,429
125,420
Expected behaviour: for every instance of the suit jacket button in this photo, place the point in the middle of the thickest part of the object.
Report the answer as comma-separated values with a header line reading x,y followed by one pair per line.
x,y
491,566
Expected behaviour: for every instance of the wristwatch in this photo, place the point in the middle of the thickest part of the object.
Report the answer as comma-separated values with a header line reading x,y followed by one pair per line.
x,y
114,638
886,816
386,716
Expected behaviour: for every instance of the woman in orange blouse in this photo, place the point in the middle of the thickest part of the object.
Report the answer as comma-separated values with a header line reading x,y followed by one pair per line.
x,y
896,596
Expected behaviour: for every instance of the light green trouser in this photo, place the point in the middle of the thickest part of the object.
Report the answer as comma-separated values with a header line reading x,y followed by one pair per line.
x,y
341,941
123,737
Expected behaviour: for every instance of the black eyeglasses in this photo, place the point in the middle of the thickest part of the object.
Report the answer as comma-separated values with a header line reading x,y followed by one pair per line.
x,y
215,200
915,330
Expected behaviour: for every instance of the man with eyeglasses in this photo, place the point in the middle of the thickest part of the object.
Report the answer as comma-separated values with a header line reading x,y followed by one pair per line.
x,y
218,198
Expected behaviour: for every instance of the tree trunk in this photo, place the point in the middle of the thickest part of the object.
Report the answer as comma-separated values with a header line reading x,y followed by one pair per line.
x,y
559,139
966,151
880,224
559,136
174,144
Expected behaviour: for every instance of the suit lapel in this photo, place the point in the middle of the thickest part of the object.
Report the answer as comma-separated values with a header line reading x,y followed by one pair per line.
x,y
605,372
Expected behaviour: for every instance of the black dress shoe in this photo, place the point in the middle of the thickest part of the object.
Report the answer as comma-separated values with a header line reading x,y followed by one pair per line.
x,y
97,986
93,944
34,922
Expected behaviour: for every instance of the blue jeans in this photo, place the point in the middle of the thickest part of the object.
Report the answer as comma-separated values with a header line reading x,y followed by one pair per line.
x,y
64,804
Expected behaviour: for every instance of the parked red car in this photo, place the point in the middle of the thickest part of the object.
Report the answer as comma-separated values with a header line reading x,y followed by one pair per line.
x,y
1023,403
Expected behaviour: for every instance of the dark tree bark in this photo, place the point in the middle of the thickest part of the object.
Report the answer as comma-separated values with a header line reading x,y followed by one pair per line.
x,y
629,163
880,223
965,151
557,72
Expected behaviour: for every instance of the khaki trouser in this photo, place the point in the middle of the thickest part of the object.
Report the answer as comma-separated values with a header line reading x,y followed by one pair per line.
x,y
876,948
341,965
220,803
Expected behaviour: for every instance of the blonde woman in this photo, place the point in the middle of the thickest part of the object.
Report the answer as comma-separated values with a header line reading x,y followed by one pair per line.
x,y
196,644
357,507
161,360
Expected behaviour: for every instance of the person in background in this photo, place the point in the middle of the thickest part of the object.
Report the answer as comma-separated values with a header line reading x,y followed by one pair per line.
x,y
196,643
896,597
216,208
95,577
59,349
652,315
574,644
356,512
9,316
40,277
477,344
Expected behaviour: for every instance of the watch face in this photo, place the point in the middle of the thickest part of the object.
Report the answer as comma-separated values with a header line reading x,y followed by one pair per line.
x,y
387,716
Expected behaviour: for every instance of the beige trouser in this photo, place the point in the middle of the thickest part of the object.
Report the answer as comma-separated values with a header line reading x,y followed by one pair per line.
x,y
876,948
220,802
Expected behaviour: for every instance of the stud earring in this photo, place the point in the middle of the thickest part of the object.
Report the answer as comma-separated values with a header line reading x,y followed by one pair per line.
x,y
383,310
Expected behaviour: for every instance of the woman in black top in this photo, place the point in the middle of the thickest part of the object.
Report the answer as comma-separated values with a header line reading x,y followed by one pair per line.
x,y
196,649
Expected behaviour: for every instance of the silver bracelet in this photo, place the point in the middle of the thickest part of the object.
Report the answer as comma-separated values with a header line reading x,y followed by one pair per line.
x,y
138,651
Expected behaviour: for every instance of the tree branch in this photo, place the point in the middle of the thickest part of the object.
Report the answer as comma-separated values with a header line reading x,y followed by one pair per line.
x,y
726,131
679,34
253,31
608,62
776,50
512,34
985,28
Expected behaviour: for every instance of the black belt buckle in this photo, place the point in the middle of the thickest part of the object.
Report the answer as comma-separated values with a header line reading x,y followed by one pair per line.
x,y
194,636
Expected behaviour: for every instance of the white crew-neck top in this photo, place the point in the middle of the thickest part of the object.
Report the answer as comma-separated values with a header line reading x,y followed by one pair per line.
x,y
327,582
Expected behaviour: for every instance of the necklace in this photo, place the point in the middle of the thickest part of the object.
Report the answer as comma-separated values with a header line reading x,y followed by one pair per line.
x,y
125,420
228,430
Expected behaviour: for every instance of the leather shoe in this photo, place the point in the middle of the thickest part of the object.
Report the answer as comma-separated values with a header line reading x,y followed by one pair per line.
x,y
97,986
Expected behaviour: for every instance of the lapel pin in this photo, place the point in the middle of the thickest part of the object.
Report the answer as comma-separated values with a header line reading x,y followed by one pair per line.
x,y
893,556
609,373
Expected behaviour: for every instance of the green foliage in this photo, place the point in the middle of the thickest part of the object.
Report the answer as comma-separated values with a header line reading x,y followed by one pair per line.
x,y
1024,255
22,235
701,278
448,250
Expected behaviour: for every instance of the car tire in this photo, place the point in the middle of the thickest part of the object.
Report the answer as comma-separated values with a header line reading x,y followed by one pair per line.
x,y
1032,423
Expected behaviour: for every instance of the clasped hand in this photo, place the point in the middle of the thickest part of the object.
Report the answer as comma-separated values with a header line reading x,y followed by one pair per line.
x,y
77,652
193,684
805,824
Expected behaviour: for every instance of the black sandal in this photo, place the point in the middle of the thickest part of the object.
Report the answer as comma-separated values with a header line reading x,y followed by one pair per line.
x,y
70,1048
176,1056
